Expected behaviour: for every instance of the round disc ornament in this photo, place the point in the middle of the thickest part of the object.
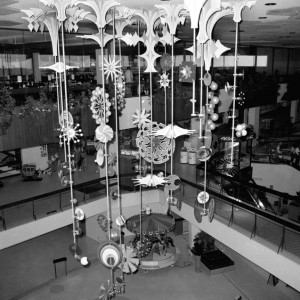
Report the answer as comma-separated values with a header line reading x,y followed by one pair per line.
x,y
166,62
109,254
203,197
174,182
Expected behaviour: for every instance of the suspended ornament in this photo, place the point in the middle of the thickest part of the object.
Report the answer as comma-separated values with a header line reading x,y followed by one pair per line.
x,y
211,210
104,133
167,38
58,67
130,262
194,7
100,105
79,214
103,222
172,131
156,149
225,166
166,62
100,157
104,290
237,7
71,133
174,182
151,180
131,40
213,86
207,79
140,118
109,254
120,83
215,100
120,221
66,119
164,80
229,88
203,197
112,68
204,153
214,117
241,130
240,99
187,71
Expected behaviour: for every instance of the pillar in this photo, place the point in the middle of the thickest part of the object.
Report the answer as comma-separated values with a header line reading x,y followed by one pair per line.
x,y
253,119
294,110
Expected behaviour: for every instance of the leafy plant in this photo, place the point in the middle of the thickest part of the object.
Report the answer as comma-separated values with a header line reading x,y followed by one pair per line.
x,y
7,106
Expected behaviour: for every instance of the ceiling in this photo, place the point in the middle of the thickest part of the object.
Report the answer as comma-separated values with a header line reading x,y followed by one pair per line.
x,y
274,23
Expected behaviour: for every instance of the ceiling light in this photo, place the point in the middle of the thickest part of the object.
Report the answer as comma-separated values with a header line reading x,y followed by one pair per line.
x,y
261,18
270,4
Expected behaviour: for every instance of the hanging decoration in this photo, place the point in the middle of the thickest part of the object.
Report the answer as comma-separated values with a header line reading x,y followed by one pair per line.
x,y
172,131
151,180
228,167
69,133
165,62
241,130
104,133
100,105
105,290
156,149
164,80
141,118
204,153
187,71
120,84
130,262
112,68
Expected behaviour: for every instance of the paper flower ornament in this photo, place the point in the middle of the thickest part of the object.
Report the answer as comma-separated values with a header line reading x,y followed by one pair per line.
x,y
172,131
130,261
104,133
140,118
164,80
100,157
156,149
100,105
112,68
151,180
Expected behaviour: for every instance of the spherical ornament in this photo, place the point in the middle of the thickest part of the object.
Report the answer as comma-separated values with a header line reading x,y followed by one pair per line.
x,y
211,105
215,100
244,132
210,95
212,126
239,127
207,79
210,110
238,134
244,126
213,86
209,121
214,117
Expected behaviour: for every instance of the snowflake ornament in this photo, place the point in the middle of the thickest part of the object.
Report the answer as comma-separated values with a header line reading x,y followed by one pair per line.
x,y
186,72
112,68
100,105
140,118
164,80
71,133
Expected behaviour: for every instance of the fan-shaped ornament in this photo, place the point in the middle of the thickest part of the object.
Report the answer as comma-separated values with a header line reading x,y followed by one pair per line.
x,y
151,180
129,262
228,167
166,62
105,289
156,149
104,133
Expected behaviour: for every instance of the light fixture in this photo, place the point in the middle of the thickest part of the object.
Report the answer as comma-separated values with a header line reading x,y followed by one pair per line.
x,y
262,18
270,4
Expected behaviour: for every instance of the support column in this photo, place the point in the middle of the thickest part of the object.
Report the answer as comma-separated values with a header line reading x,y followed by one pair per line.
x,y
294,110
253,119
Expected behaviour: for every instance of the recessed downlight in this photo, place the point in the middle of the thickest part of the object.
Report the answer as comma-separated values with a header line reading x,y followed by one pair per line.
x,y
270,4
262,18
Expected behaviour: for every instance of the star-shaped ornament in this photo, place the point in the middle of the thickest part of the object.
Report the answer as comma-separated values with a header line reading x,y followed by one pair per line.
x,y
164,80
